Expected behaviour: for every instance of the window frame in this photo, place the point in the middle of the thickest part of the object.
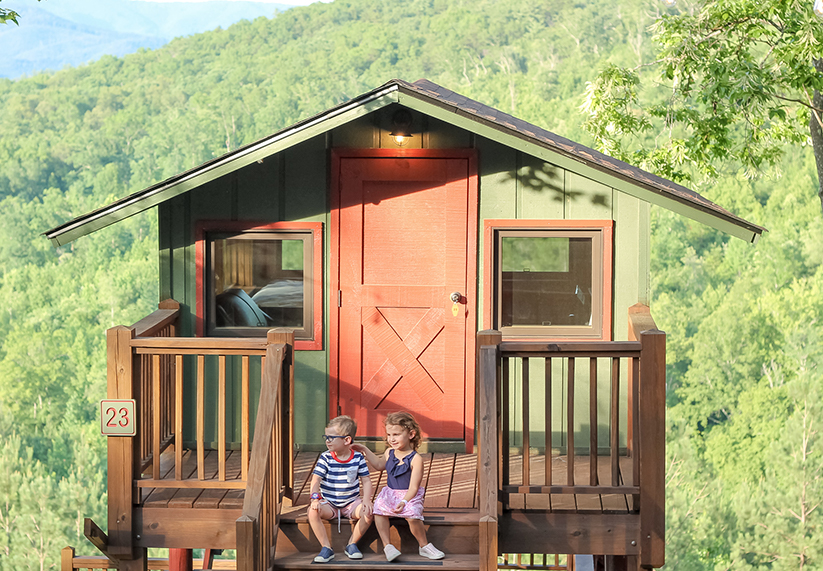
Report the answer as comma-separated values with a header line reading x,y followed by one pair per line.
x,y
204,282
565,228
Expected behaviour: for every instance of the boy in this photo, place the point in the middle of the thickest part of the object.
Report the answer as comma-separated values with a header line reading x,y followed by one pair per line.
x,y
335,489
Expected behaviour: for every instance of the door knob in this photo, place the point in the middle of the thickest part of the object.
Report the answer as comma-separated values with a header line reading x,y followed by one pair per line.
x,y
456,296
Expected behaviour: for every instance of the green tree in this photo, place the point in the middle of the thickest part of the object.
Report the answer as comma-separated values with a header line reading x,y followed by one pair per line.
x,y
732,82
7,15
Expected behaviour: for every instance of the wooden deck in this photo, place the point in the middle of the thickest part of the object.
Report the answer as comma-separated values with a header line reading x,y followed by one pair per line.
x,y
450,481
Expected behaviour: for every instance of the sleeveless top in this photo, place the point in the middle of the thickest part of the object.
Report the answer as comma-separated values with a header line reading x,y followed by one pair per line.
x,y
399,472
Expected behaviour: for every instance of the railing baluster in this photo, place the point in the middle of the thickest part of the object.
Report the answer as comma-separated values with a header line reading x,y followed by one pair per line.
x,y
570,423
505,445
548,458
201,412
635,421
592,421
178,417
221,418
525,428
156,405
614,428
244,422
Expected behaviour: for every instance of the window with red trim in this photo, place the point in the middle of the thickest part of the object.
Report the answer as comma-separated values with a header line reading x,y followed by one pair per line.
x,y
259,278
550,279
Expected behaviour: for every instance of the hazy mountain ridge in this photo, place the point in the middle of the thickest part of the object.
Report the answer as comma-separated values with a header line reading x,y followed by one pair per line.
x,y
56,33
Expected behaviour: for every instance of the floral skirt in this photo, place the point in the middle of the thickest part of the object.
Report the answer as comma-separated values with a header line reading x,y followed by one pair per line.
x,y
388,499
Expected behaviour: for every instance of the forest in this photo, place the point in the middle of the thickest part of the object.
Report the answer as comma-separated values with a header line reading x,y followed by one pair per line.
x,y
744,323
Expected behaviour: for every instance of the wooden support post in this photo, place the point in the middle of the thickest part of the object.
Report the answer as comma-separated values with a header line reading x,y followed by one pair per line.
x,y
651,392
286,336
488,372
67,559
180,560
652,396
248,551
123,453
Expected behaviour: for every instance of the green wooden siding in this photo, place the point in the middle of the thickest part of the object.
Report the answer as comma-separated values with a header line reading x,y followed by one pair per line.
x,y
293,185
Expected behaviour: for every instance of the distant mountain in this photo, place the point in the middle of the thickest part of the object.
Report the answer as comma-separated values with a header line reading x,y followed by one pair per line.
x,y
58,33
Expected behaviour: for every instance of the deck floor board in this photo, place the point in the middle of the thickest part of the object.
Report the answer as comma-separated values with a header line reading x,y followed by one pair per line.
x,y
450,481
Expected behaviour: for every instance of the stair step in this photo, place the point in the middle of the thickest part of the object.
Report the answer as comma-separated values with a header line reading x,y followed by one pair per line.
x,y
452,531
452,562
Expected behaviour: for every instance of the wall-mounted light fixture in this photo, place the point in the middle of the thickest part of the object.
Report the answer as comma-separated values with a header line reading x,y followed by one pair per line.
x,y
401,126
818,8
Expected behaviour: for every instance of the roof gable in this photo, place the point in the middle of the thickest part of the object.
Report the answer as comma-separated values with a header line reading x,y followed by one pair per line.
x,y
441,103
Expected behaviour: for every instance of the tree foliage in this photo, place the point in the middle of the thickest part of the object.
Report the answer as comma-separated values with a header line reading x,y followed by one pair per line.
x,y
731,83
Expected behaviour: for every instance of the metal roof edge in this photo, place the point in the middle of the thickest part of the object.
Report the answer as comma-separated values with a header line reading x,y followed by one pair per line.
x,y
721,220
188,180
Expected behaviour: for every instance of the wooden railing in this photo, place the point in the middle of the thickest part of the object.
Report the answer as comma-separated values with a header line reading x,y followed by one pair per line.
x,y
634,369
69,561
258,526
150,364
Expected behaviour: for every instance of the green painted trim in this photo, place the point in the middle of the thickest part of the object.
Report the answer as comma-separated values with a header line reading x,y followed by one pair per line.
x,y
476,125
255,152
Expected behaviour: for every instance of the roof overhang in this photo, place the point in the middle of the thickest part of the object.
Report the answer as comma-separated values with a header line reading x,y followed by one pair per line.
x,y
435,101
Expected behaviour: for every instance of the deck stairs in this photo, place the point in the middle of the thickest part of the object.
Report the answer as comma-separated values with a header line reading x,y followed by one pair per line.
x,y
451,520
453,531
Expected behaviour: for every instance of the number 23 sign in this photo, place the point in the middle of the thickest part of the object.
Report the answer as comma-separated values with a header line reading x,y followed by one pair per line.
x,y
117,417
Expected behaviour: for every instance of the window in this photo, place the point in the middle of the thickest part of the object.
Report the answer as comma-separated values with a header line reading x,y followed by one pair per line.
x,y
549,278
256,279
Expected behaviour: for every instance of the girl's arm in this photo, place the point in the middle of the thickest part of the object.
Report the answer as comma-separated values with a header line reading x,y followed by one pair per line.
x,y
377,462
414,483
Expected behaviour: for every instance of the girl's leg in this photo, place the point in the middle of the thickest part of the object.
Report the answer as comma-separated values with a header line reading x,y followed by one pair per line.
x,y
418,531
381,522
316,518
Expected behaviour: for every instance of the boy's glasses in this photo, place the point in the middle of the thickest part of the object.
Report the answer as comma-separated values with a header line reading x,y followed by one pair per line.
x,y
329,437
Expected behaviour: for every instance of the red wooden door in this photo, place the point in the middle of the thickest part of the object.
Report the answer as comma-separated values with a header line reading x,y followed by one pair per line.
x,y
405,230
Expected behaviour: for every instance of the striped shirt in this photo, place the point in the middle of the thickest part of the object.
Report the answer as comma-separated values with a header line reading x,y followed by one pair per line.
x,y
340,484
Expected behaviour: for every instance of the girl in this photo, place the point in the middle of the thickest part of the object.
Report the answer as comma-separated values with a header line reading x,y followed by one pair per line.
x,y
403,496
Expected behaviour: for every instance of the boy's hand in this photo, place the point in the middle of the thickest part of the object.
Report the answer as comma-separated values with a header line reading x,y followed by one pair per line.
x,y
368,508
315,504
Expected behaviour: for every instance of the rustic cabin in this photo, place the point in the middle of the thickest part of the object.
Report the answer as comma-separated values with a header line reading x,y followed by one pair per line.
x,y
409,249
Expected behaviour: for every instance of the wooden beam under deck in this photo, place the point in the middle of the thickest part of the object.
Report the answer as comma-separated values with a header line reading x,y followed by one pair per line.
x,y
186,527
542,532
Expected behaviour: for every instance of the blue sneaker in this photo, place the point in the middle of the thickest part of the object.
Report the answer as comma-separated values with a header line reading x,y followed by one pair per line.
x,y
353,552
326,554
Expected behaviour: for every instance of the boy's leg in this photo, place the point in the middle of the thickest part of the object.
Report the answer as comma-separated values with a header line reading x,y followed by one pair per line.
x,y
418,530
361,526
316,518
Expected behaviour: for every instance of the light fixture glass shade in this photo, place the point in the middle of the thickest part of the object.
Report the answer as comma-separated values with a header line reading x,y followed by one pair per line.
x,y
670,3
401,127
818,8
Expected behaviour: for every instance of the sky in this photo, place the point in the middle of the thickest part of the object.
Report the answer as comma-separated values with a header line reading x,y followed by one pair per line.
x,y
291,2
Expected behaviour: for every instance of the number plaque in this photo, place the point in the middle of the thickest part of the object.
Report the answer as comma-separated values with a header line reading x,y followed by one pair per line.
x,y
117,417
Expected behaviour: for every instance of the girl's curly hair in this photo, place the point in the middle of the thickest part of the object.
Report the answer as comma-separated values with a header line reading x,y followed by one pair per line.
x,y
407,421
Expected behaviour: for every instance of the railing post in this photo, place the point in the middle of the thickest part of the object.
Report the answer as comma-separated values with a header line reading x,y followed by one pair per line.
x,y
122,450
651,442
247,547
171,304
66,559
286,336
488,372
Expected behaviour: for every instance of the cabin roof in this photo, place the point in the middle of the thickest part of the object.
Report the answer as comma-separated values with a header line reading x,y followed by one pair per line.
x,y
436,101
